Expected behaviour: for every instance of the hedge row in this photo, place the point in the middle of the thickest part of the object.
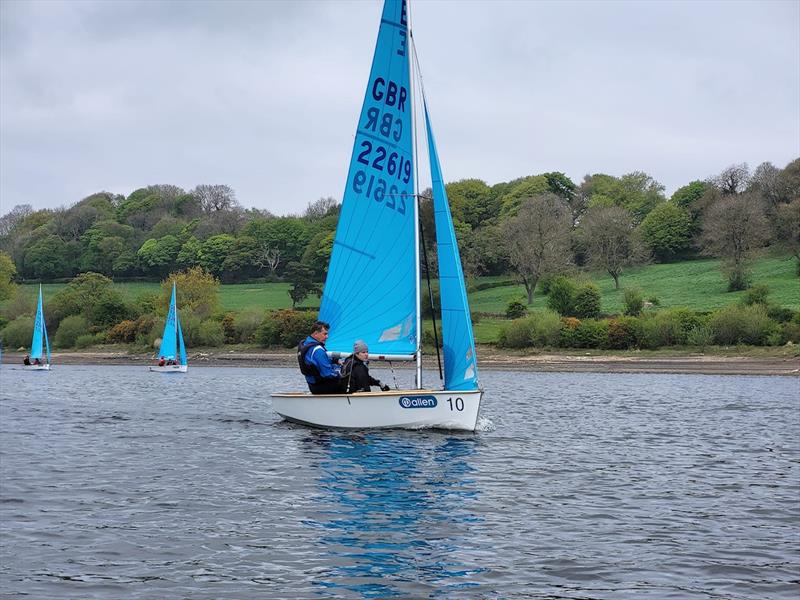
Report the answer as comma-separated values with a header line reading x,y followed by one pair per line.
x,y
755,325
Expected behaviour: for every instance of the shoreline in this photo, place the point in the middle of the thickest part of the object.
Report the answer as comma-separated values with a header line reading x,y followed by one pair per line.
x,y
700,364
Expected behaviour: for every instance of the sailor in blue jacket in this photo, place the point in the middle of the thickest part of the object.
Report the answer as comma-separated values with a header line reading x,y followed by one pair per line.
x,y
322,375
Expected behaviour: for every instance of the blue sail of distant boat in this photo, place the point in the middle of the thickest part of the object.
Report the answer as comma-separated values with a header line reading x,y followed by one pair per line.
x,y
460,361
172,339
40,345
181,346
370,291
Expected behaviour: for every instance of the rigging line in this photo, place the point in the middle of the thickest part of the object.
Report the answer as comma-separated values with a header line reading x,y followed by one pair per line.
x,y
430,297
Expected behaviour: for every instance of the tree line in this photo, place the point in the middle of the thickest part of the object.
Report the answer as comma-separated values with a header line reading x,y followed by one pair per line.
x,y
534,227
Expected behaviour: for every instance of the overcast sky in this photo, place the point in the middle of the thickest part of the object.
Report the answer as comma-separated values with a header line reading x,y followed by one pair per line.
x,y
264,96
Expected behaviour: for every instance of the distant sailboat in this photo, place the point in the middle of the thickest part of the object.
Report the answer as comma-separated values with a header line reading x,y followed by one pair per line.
x,y
172,349
40,344
372,290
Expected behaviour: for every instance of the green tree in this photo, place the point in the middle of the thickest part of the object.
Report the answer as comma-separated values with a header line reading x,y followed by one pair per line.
x,y
610,241
472,202
302,282
48,258
197,291
287,235
214,251
538,238
788,228
519,190
667,231
7,273
189,255
158,256
735,229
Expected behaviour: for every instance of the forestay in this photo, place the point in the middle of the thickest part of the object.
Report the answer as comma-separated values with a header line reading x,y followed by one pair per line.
x,y
371,288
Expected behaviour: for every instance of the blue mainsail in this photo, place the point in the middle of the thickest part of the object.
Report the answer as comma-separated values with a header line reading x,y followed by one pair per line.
x,y
172,346
460,361
370,291
39,342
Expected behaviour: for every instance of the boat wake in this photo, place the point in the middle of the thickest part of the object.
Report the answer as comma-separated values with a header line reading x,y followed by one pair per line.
x,y
485,424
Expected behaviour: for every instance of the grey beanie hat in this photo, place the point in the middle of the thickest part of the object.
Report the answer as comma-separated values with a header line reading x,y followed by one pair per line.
x,y
359,346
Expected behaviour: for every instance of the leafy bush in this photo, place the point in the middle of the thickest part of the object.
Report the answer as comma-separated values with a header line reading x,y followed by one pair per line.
x,y
587,302
634,301
18,305
229,329
545,328
108,309
246,323
17,334
668,327
517,334
123,332
591,333
755,295
742,325
210,333
624,333
562,296
85,340
284,328
700,336
780,314
69,330
516,309
569,326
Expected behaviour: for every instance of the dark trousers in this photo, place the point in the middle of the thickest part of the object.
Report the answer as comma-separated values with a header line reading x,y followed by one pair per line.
x,y
326,386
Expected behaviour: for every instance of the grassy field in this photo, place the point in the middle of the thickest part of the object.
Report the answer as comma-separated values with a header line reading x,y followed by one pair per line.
x,y
698,285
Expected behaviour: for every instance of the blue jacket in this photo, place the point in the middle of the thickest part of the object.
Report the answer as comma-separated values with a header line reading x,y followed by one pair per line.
x,y
318,357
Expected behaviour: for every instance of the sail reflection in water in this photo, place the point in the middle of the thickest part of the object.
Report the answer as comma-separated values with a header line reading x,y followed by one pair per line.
x,y
395,512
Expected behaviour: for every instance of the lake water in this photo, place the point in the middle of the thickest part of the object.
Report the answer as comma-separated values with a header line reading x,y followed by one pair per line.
x,y
119,483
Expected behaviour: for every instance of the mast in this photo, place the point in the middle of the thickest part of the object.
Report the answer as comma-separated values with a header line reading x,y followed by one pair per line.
x,y
415,170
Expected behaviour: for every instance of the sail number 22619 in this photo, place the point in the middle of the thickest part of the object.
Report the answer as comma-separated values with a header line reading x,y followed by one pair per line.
x,y
375,188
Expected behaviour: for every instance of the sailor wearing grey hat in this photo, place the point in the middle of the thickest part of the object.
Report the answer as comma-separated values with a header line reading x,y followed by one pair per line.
x,y
355,371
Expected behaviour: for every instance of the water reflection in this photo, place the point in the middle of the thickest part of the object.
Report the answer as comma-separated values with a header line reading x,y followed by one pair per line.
x,y
396,512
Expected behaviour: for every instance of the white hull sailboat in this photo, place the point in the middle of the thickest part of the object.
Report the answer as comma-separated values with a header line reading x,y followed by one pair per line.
x,y
372,289
40,343
398,409
172,348
170,369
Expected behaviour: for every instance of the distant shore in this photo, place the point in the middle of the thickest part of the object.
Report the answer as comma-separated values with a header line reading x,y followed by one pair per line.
x,y
488,358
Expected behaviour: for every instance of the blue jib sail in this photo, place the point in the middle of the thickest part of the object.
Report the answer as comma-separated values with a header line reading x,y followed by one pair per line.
x,y
371,287
172,338
39,342
460,361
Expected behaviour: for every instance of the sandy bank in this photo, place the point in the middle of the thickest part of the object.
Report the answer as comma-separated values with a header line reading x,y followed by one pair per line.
x,y
488,359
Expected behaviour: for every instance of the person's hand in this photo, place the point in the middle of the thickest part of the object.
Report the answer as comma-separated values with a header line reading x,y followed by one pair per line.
x,y
384,387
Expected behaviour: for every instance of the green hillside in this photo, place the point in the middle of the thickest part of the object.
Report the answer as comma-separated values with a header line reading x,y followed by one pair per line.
x,y
698,285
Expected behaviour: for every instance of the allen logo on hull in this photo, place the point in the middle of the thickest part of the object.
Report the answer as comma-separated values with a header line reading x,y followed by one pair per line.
x,y
418,401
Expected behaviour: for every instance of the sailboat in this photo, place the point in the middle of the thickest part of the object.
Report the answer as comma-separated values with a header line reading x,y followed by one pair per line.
x,y
40,344
172,348
372,289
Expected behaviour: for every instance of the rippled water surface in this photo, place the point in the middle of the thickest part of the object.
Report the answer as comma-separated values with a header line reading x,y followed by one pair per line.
x,y
118,483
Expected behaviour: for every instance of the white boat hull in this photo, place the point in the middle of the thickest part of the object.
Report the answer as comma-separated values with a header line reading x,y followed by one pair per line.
x,y
170,369
35,367
397,409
